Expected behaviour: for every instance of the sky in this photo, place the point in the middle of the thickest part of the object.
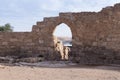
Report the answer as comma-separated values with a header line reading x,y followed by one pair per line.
x,y
22,14
62,30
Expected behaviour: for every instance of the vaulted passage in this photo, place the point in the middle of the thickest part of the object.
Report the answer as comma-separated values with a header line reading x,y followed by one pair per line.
x,y
63,40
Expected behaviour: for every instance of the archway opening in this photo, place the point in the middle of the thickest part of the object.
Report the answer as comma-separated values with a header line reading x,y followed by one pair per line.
x,y
63,33
63,40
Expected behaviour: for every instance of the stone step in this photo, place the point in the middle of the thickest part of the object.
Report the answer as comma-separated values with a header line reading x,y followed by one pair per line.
x,y
52,19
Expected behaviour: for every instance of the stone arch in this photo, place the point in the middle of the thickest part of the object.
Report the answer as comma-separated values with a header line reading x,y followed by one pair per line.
x,y
49,24
66,28
73,31
56,39
60,25
46,29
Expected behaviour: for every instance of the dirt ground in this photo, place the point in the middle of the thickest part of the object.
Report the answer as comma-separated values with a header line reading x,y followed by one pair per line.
x,y
65,72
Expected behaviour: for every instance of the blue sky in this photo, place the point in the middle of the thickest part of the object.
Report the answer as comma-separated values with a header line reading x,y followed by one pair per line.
x,y
62,30
22,14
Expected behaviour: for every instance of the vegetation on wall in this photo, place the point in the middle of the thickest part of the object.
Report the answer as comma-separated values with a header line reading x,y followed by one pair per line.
x,y
6,28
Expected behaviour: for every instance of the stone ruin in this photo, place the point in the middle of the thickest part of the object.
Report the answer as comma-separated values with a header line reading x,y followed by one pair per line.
x,y
96,37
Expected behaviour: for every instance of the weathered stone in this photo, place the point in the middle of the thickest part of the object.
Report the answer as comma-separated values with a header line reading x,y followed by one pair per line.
x,y
95,37
4,43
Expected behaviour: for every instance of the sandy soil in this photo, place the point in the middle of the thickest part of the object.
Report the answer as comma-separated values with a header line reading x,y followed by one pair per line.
x,y
68,72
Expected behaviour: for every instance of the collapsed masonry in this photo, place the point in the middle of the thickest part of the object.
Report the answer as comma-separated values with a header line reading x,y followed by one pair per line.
x,y
96,37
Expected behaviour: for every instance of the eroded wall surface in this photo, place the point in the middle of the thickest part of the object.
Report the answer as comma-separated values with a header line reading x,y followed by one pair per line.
x,y
96,37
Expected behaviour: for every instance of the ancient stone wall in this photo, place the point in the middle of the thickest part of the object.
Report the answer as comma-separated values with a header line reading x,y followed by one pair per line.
x,y
96,37
13,42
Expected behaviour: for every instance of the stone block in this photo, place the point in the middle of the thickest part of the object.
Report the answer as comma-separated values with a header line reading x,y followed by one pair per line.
x,y
42,48
41,41
13,39
95,44
5,43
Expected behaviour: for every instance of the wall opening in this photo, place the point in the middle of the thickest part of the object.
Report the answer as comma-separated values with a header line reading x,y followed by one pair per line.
x,y
63,33
63,40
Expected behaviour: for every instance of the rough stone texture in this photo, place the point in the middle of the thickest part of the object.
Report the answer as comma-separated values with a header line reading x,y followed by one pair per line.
x,y
96,37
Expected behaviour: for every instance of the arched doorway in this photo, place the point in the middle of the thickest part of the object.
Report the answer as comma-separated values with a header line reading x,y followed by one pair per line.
x,y
63,40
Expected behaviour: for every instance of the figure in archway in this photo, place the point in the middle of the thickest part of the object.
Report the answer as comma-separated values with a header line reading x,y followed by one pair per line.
x,y
60,48
66,51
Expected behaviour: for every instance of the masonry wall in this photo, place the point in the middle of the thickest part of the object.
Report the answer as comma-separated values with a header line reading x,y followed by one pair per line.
x,y
13,43
24,44
96,37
